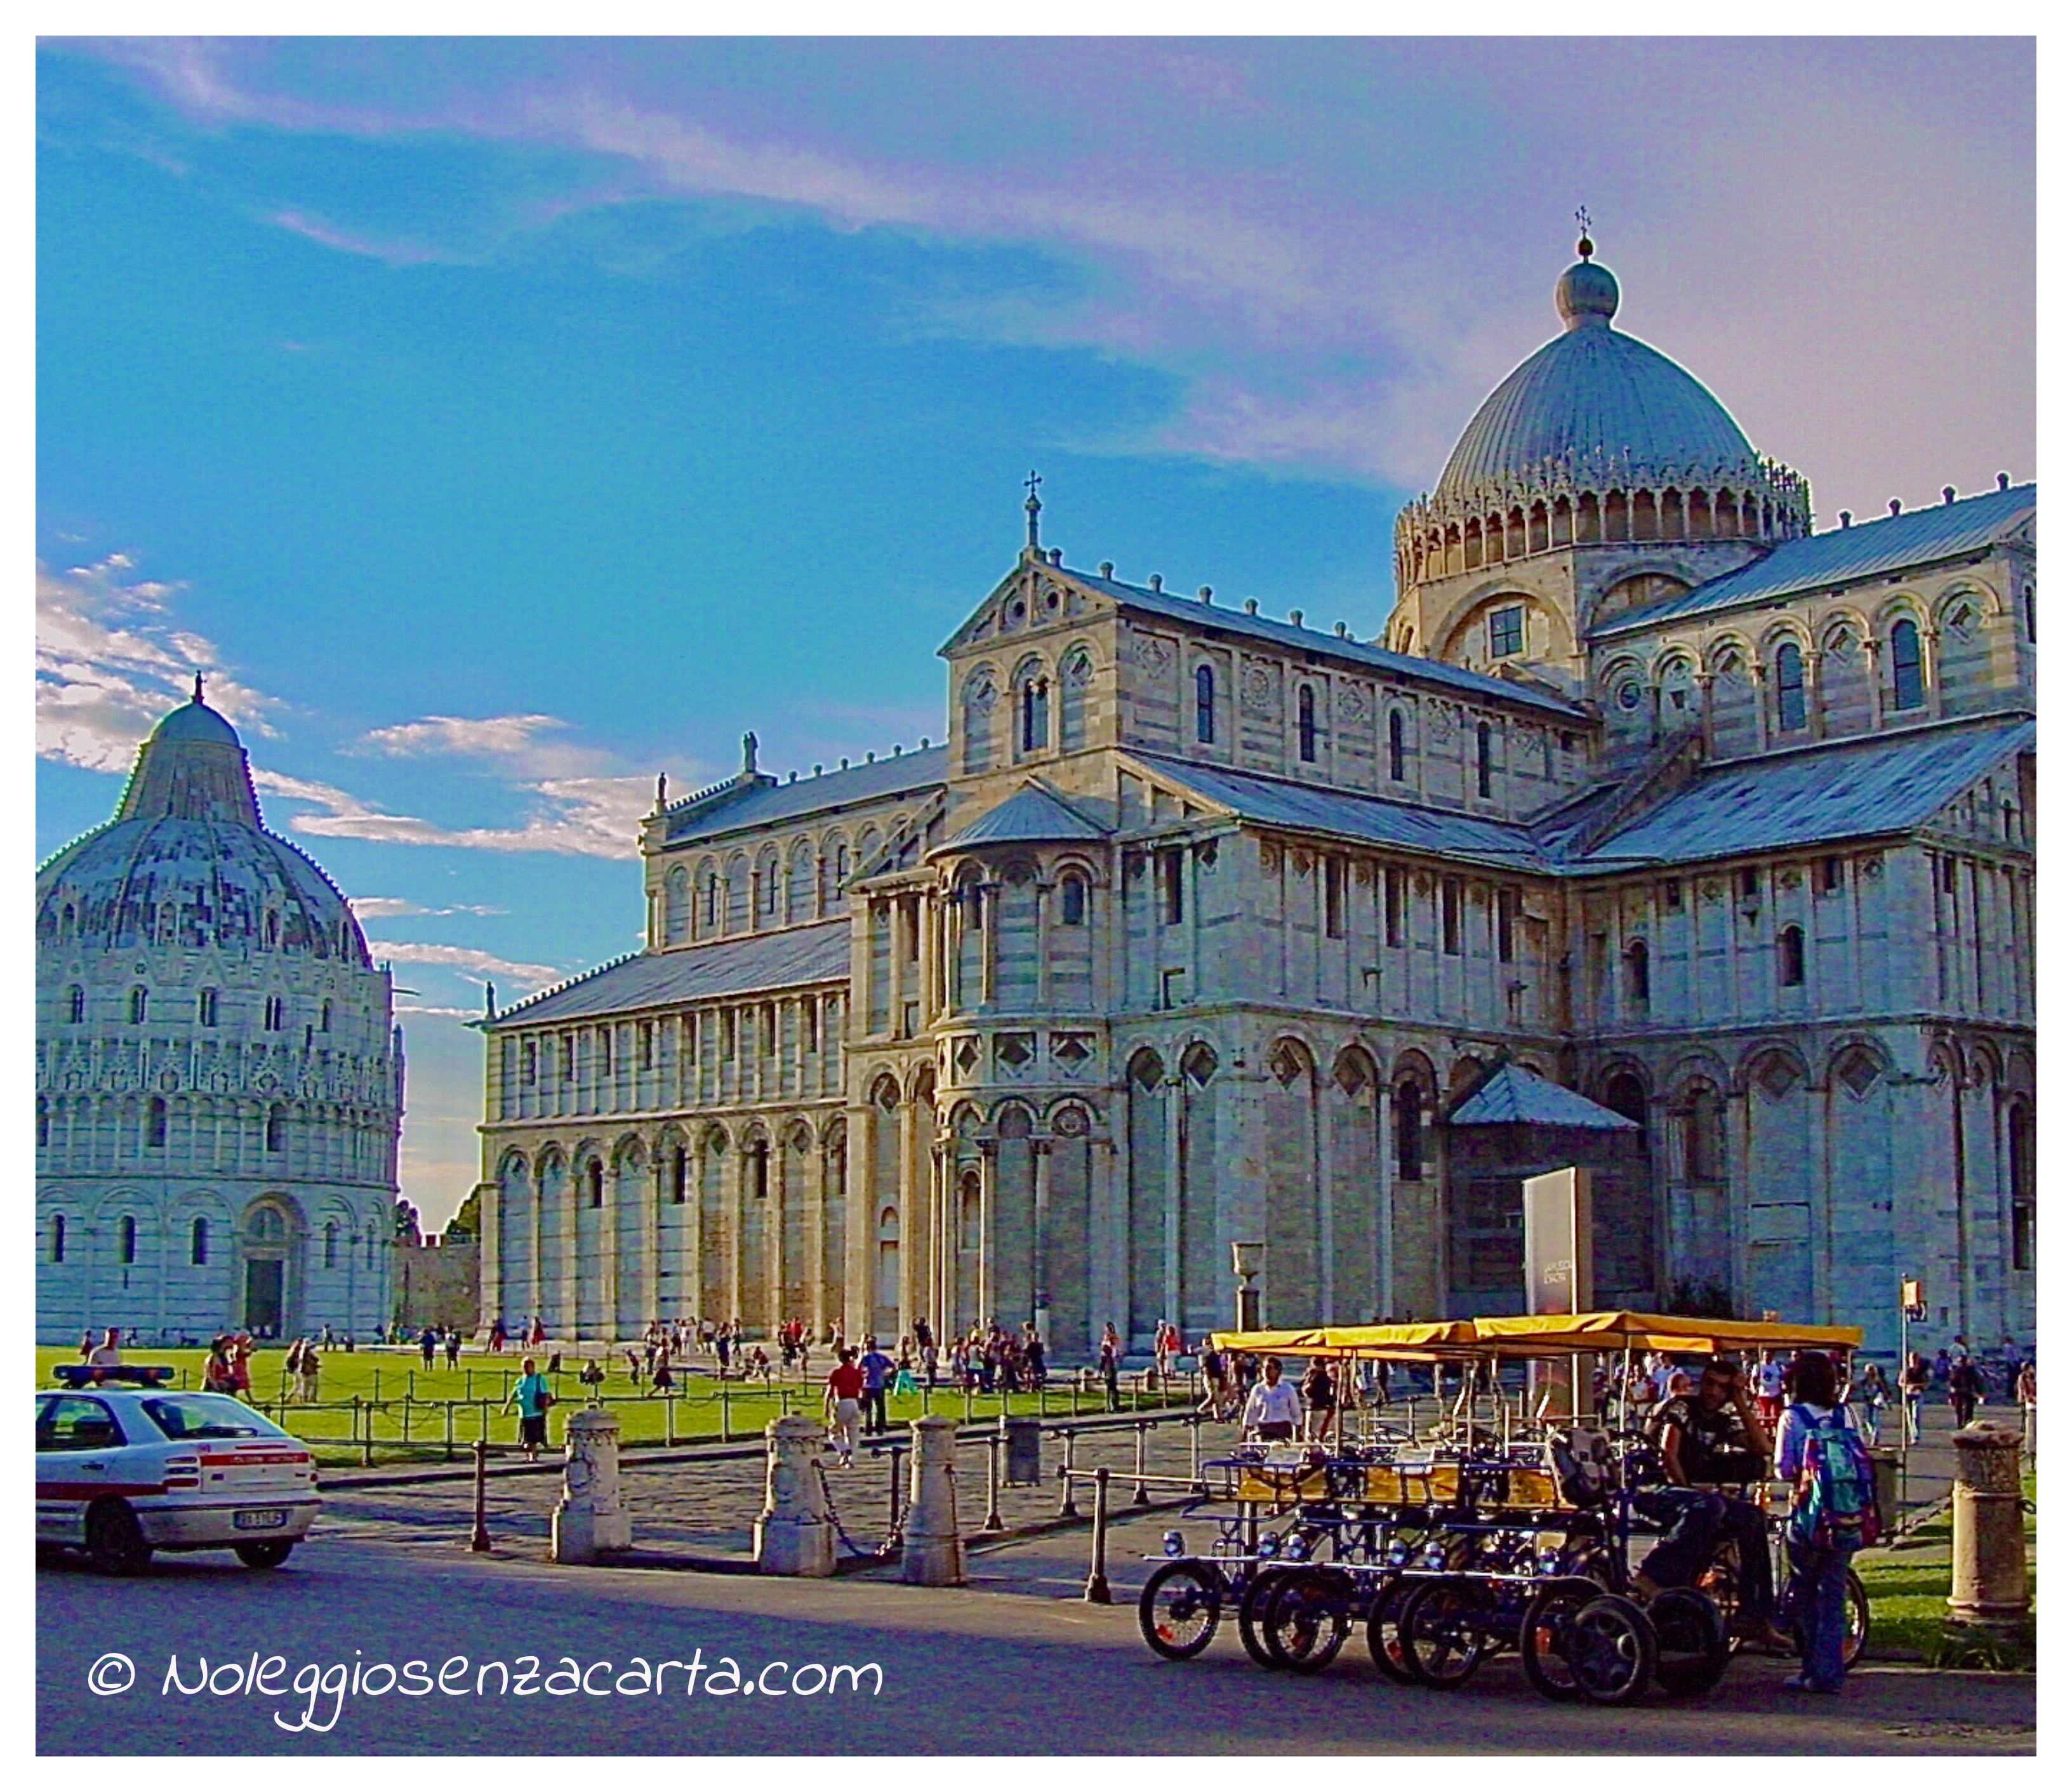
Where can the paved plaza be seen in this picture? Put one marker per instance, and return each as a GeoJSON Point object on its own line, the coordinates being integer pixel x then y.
{"type": "Point", "coordinates": [388, 1578]}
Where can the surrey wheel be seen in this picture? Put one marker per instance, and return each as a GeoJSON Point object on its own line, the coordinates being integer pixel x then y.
{"type": "Point", "coordinates": [1611, 1650]}
{"type": "Point", "coordinates": [1178, 1609]}
{"type": "Point", "coordinates": [1305, 1619]}
{"type": "Point", "coordinates": [270, 1553]}
{"type": "Point", "coordinates": [1251, 1616]}
{"type": "Point", "coordinates": [1690, 1642]}
{"type": "Point", "coordinates": [1443, 1630]}
{"type": "Point", "coordinates": [115, 1540]}
{"type": "Point", "coordinates": [1385, 1642]}
{"type": "Point", "coordinates": [1544, 1638]}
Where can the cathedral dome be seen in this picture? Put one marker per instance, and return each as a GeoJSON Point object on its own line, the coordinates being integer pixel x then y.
{"type": "Point", "coordinates": [1595, 406]}
{"type": "Point", "coordinates": [187, 862]}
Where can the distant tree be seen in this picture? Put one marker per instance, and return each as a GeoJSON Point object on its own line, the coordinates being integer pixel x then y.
{"type": "Point", "coordinates": [406, 1223]}
{"type": "Point", "coordinates": [467, 1222]}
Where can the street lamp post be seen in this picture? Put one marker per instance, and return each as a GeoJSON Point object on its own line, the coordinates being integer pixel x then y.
{"type": "Point", "coordinates": [1248, 1261]}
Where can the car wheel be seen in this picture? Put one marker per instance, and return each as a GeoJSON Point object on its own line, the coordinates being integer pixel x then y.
{"type": "Point", "coordinates": [1611, 1650]}
{"type": "Point", "coordinates": [1383, 1643]}
{"type": "Point", "coordinates": [1691, 1650]}
{"type": "Point", "coordinates": [115, 1540]}
{"type": "Point", "coordinates": [270, 1554]}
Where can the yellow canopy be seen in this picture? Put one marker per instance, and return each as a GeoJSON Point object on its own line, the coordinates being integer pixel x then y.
{"type": "Point", "coordinates": [1526, 1335]}
{"type": "Point", "coordinates": [1540, 1334]}
{"type": "Point", "coordinates": [1421, 1340]}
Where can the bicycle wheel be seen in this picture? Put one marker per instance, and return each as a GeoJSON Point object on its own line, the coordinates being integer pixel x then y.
{"type": "Point", "coordinates": [1250, 1613]}
{"type": "Point", "coordinates": [1306, 1620]}
{"type": "Point", "coordinates": [1691, 1642]}
{"type": "Point", "coordinates": [1855, 1621]}
{"type": "Point", "coordinates": [1544, 1641]}
{"type": "Point", "coordinates": [1384, 1642]}
{"type": "Point", "coordinates": [1178, 1609]}
{"type": "Point", "coordinates": [1442, 1630]}
{"type": "Point", "coordinates": [1611, 1648]}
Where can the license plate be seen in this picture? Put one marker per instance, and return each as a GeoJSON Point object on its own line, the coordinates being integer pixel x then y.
{"type": "Point", "coordinates": [260, 1521]}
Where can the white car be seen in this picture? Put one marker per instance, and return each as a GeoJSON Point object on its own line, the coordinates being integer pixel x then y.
{"type": "Point", "coordinates": [121, 1472]}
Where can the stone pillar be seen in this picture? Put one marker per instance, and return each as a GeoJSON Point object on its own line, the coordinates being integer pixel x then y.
{"type": "Point", "coordinates": [795, 1532]}
{"type": "Point", "coordinates": [1989, 1560]}
{"type": "Point", "coordinates": [933, 1554]}
{"type": "Point", "coordinates": [1039, 1288]}
{"type": "Point", "coordinates": [589, 1523]}
{"type": "Point", "coordinates": [989, 1208]}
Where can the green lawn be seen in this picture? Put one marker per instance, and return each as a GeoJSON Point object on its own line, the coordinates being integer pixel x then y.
{"type": "Point", "coordinates": [1910, 1586]}
{"type": "Point", "coordinates": [405, 1406]}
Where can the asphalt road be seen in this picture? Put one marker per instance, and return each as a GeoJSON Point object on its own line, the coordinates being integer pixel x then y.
{"type": "Point", "coordinates": [977, 1671]}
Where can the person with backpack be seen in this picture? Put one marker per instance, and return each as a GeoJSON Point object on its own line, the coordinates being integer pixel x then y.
{"type": "Point", "coordinates": [1834, 1513]}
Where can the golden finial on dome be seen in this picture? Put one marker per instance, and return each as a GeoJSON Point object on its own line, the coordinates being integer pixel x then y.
{"type": "Point", "coordinates": [1584, 248]}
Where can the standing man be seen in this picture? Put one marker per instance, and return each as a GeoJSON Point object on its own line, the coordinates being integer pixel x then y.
{"type": "Point", "coordinates": [1272, 1410]}
{"type": "Point", "coordinates": [844, 1387]}
{"type": "Point", "coordinates": [1110, 1365]}
{"type": "Point", "coordinates": [1770, 1389]}
{"type": "Point", "coordinates": [1967, 1387]}
{"type": "Point", "coordinates": [877, 1368]}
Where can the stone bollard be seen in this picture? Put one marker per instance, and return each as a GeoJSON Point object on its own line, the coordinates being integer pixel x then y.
{"type": "Point", "coordinates": [589, 1523]}
{"type": "Point", "coordinates": [934, 1552]}
{"type": "Point", "coordinates": [1989, 1560]}
{"type": "Point", "coordinates": [795, 1533]}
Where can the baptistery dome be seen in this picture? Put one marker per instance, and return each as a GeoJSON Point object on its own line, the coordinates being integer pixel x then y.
{"type": "Point", "coordinates": [219, 1077]}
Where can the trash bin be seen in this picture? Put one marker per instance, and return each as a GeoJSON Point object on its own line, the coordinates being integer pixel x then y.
{"type": "Point", "coordinates": [1025, 1450]}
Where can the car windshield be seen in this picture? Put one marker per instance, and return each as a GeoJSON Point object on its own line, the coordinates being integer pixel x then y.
{"type": "Point", "coordinates": [180, 1416]}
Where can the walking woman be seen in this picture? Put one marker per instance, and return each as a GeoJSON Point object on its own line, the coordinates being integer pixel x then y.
{"type": "Point", "coordinates": [1873, 1392]}
{"type": "Point", "coordinates": [1913, 1389]}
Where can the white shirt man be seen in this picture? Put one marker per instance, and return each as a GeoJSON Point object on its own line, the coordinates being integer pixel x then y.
{"type": "Point", "coordinates": [1272, 1410]}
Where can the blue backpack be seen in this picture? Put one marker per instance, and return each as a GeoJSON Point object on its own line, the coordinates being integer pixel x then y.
{"type": "Point", "coordinates": [1835, 1506]}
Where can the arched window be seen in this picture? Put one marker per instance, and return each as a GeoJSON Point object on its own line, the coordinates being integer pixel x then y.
{"type": "Point", "coordinates": [978, 703]}
{"type": "Point", "coordinates": [205, 1007]}
{"type": "Point", "coordinates": [1636, 973]}
{"type": "Point", "coordinates": [126, 1240]}
{"type": "Point", "coordinates": [1072, 900]}
{"type": "Point", "coordinates": [1908, 692]}
{"type": "Point", "coordinates": [1705, 1137]}
{"type": "Point", "coordinates": [1791, 957]}
{"type": "Point", "coordinates": [680, 1174]}
{"type": "Point", "coordinates": [276, 1014]}
{"type": "Point", "coordinates": [593, 1176]}
{"type": "Point", "coordinates": [75, 1004]}
{"type": "Point", "coordinates": [1790, 686]}
{"type": "Point", "coordinates": [1205, 704]}
{"type": "Point", "coordinates": [1483, 759]}
{"type": "Point", "coordinates": [198, 1243]}
{"type": "Point", "coordinates": [1395, 746]}
{"type": "Point", "coordinates": [42, 1122]}
{"type": "Point", "coordinates": [1409, 1106]}
{"type": "Point", "coordinates": [711, 900]}
{"type": "Point", "coordinates": [139, 1002]}
{"type": "Point", "coordinates": [1305, 724]}
{"type": "Point", "coordinates": [331, 1244]}
{"type": "Point", "coordinates": [57, 1238]}
{"type": "Point", "coordinates": [277, 1128]}
{"type": "Point", "coordinates": [1035, 715]}
{"type": "Point", "coordinates": [154, 1122]}
{"type": "Point", "coordinates": [323, 1019]}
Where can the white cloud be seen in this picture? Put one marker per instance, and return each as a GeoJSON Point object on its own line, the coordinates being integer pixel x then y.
{"type": "Point", "coordinates": [522, 744]}
{"type": "Point", "coordinates": [588, 817]}
{"type": "Point", "coordinates": [466, 959]}
{"type": "Point", "coordinates": [111, 661]}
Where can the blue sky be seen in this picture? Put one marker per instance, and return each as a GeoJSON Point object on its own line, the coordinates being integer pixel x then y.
{"type": "Point", "coordinates": [502, 423]}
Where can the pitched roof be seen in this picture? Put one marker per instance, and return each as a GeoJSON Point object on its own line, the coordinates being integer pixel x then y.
{"type": "Point", "coordinates": [1412, 667]}
{"type": "Point", "coordinates": [1032, 813]}
{"type": "Point", "coordinates": [1345, 813]}
{"type": "Point", "coordinates": [787, 959]}
{"type": "Point", "coordinates": [1835, 557]}
{"type": "Point", "coordinates": [1512, 1095]}
{"type": "Point", "coordinates": [758, 805]}
{"type": "Point", "coordinates": [1843, 790]}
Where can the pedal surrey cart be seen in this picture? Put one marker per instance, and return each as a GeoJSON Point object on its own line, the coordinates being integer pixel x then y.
{"type": "Point", "coordinates": [1497, 1517]}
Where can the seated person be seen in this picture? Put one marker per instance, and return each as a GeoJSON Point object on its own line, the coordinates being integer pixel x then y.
{"type": "Point", "coordinates": [1710, 1440]}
